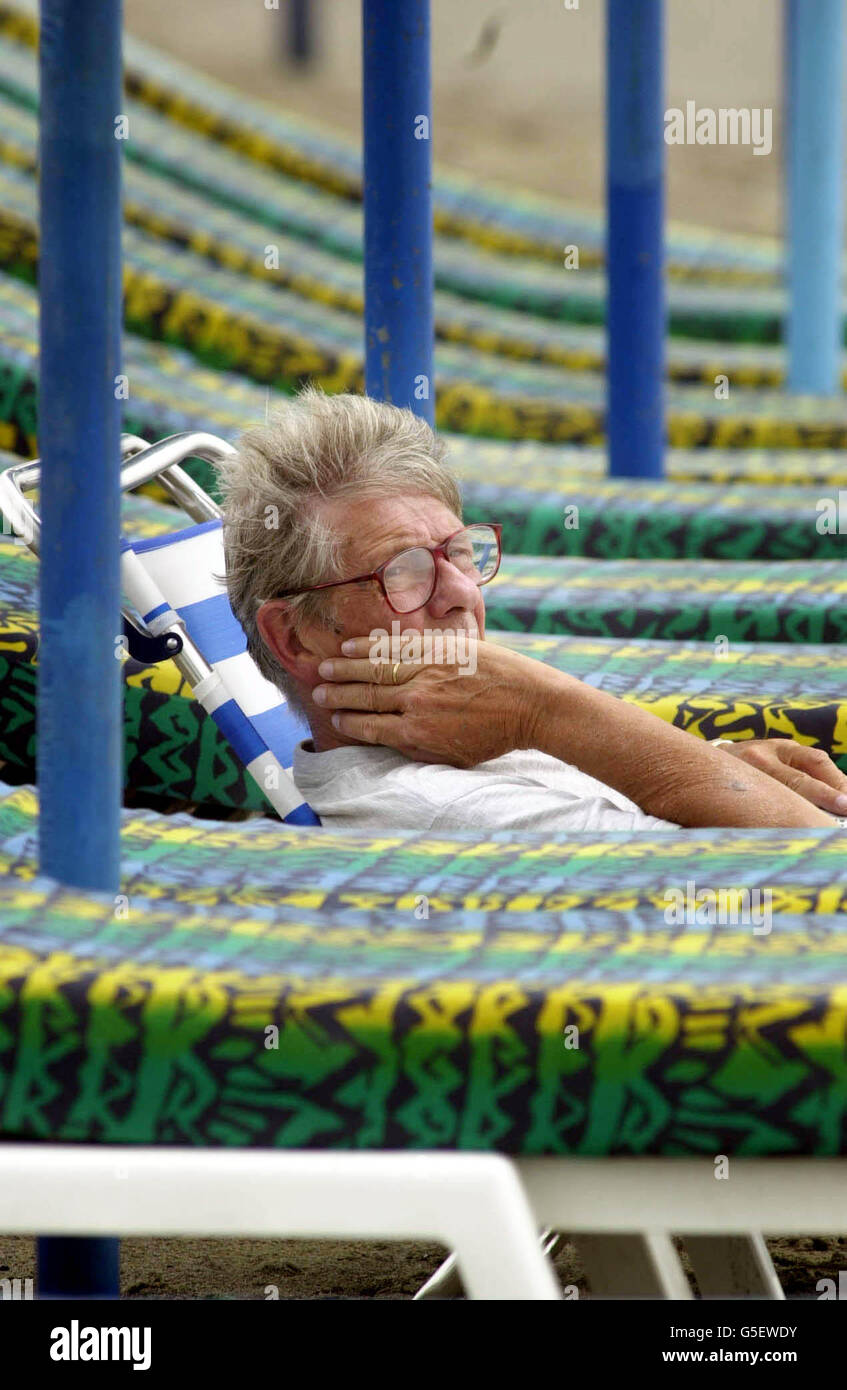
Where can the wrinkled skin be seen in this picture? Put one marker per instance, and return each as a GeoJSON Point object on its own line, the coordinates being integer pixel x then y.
{"type": "Point", "coordinates": [442, 713]}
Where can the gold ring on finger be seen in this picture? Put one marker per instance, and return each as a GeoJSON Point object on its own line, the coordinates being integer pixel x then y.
{"type": "Point", "coordinates": [395, 668]}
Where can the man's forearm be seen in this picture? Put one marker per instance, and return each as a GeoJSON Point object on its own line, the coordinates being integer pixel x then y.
{"type": "Point", "coordinates": [666, 771]}
{"type": "Point", "coordinates": [463, 717]}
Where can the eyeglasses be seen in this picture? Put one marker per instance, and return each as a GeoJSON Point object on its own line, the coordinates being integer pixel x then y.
{"type": "Point", "coordinates": [408, 580]}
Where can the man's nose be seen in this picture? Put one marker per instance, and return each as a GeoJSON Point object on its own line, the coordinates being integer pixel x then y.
{"type": "Point", "coordinates": [453, 589]}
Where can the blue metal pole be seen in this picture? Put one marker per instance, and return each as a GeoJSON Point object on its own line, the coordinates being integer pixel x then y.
{"type": "Point", "coordinates": [79, 698]}
{"type": "Point", "coordinates": [398, 203]}
{"type": "Point", "coordinates": [300, 32]}
{"type": "Point", "coordinates": [814, 67]}
{"type": "Point", "coordinates": [635, 208]}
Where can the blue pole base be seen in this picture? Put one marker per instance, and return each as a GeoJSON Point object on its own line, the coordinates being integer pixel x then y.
{"type": "Point", "coordinates": [78, 1267]}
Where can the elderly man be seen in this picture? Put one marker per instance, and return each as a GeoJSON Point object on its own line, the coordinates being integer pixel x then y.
{"type": "Point", "coordinates": [341, 520]}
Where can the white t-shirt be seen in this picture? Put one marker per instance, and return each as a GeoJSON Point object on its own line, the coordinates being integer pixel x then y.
{"type": "Point", "coordinates": [374, 788]}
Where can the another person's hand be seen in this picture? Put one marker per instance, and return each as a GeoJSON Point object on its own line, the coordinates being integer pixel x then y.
{"type": "Point", "coordinates": [808, 771]}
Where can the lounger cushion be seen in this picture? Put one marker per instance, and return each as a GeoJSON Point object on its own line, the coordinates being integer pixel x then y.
{"type": "Point", "coordinates": [523, 1032]}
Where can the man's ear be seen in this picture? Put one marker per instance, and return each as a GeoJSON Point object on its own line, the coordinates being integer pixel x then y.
{"type": "Point", "coordinates": [277, 625]}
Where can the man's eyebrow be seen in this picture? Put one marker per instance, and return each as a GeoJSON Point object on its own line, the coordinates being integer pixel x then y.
{"type": "Point", "coordinates": [398, 547]}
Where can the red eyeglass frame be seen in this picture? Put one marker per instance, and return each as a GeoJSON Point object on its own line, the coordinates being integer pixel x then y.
{"type": "Point", "coordinates": [434, 550]}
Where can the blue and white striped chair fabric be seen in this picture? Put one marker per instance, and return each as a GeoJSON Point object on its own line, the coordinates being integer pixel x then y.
{"type": "Point", "coordinates": [173, 576]}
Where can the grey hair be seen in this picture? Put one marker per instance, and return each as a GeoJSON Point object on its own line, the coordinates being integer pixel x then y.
{"type": "Point", "coordinates": [315, 449]}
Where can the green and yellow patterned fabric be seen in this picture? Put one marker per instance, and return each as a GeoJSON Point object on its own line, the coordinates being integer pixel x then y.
{"type": "Point", "coordinates": [398, 992]}
{"type": "Point", "coordinates": [633, 519]}
{"type": "Point", "coordinates": [198, 273]}
{"type": "Point", "coordinates": [532, 466]}
{"type": "Point", "coordinates": [514, 223]}
{"type": "Point", "coordinates": [186, 190]}
{"type": "Point", "coordinates": [546, 505]}
{"type": "Point", "coordinates": [708, 600]}
{"type": "Point", "coordinates": [518, 225]}
{"type": "Point", "coordinates": [259, 866]}
{"type": "Point", "coordinates": [273, 336]}
{"type": "Point", "coordinates": [171, 391]}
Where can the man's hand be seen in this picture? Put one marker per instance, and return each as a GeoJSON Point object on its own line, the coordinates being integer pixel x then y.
{"type": "Point", "coordinates": [446, 714]}
{"type": "Point", "coordinates": [435, 713]}
{"type": "Point", "coordinates": [808, 771]}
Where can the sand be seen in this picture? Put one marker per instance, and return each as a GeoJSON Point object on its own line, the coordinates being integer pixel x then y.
{"type": "Point", "coordinates": [329, 1269]}
{"type": "Point", "coordinates": [518, 88]}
